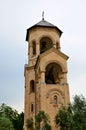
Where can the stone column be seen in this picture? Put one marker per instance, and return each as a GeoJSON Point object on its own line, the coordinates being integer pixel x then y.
{"type": "Point", "coordinates": [42, 76]}
{"type": "Point", "coordinates": [54, 44]}
{"type": "Point", "coordinates": [37, 48]}
{"type": "Point", "coordinates": [64, 79]}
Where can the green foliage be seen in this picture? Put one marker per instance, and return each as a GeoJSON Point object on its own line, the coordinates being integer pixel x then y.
{"type": "Point", "coordinates": [30, 124]}
{"type": "Point", "coordinates": [19, 121]}
{"type": "Point", "coordinates": [73, 116]}
{"type": "Point", "coordinates": [12, 115]}
{"type": "Point", "coordinates": [64, 118]}
{"type": "Point", "coordinates": [79, 108]}
{"type": "Point", "coordinates": [8, 112]}
{"type": "Point", "coordinates": [47, 127]}
{"type": "Point", "coordinates": [42, 116]}
{"type": "Point", "coordinates": [5, 124]}
{"type": "Point", "coordinates": [41, 122]}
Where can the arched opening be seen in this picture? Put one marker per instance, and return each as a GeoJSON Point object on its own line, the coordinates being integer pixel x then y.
{"type": "Point", "coordinates": [34, 48]}
{"type": "Point", "coordinates": [45, 44]}
{"type": "Point", "coordinates": [55, 100]}
{"type": "Point", "coordinates": [52, 73]}
{"type": "Point", "coordinates": [32, 87]}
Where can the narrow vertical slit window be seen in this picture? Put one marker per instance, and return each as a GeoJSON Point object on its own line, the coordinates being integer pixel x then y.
{"type": "Point", "coordinates": [55, 100]}
{"type": "Point", "coordinates": [34, 48]}
{"type": "Point", "coordinates": [32, 88]}
{"type": "Point", "coordinates": [32, 107]}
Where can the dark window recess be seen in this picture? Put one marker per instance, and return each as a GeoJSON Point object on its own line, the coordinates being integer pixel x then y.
{"type": "Point", "coordinates": [32, 108]}
{"type": "Point", "coordinates": [45, 44]}
{"type": "Point", "coordinates": [34, 48]}
{"type": "Point", "coordinates": [53, 70]}
{"type": "Point", "coordinates": [32, 88]}
{"type": "Point", "coordinates": [43, 47]}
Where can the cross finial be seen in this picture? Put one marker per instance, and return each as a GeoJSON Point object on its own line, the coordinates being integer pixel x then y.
{"type": "Point", "coordinates": [43, 15]}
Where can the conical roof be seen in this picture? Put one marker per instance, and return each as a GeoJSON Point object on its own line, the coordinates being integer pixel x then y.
{"type": "Point", "coordinates": [43, 23]}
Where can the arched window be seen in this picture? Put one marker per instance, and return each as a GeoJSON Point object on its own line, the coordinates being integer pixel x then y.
{"type": "Point", "coordinates": [45, 44]}
{"type": "Point", "coordinates": [55, 100]}
{"type": "Point", "coordinates": [34, 48]}
{"type": "Point", "coordinates": [52, 72]}
{"type": "Point", "coordinates": [32, 87]}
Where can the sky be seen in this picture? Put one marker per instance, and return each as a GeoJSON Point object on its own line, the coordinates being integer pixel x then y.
{"type": "Point", "coordinates": [18, 15]}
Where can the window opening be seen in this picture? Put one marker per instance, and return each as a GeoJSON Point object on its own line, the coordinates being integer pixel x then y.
{"type": "Point", "coordinates": [34, 48]}
{"type": "Point", "coordinates": [43, 47]}
{"type": "Point", "coordinates": [55, 100]}
{"type": "Point", "coordinates": [32, 88]}
{"type": "Point", "coordinates": [45, 44]}
{"type": "Point", "coordinates": [49, 77]}
{"type": "Point", "coordinates": [52, 73]}
{"type": "Point", "coordinates": [32, 108]}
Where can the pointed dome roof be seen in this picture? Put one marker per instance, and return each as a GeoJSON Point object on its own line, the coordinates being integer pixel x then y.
{"type": "Point", "coordinates": [43, 23]}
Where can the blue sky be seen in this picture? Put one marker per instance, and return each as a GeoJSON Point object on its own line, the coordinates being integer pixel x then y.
{"type": "Point", "coordinates": [18, 15]}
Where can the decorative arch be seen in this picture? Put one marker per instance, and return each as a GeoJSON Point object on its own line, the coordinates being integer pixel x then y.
{"type": "Point", "coordinates": [55, 91]}
{"type": "Point", "coordinates": [47, 35]}
{"type": "Point", "coordinates": [45, 44]}
{"type": "Point", "coordinates": [55, 61]}
{"type": "Point", "coordinates": [55, 96]}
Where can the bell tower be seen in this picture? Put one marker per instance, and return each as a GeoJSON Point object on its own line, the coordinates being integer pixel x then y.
{"type": "Point", "coordinates": [46, 85]}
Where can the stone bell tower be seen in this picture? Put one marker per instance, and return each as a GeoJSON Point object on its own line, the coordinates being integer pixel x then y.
{"type": "Point", "coordinates": [46, 85]}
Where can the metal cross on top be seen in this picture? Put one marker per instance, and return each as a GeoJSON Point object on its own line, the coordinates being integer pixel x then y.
{"type": "Point", "coordinates": [43, 15]}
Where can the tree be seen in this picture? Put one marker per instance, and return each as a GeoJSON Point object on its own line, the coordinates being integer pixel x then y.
{"type": "Point", "coordinates": [41, 122]}
{"type": "Point", "coordinates": [30, 124]}
{"type": "Point", "coordinates": [18, 122]}
{"type": "Point", "coordinates": [5, 123]}
{"type": "Point", "coordinates": [8, 112]}
{"type": "Point", "coordinates": [12, 115]}
{"type": "Point", "coordinates": [73, 116]}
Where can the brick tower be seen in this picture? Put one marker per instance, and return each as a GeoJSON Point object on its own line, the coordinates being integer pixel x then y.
{"type": "Point", "coordinates": [46, 86]}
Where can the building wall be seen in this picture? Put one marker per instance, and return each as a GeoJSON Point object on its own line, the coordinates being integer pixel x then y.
{"type": "Point", "coordinates": [43, 100]}
{"type": "Point", "coordinates": [36, 35]}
